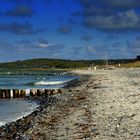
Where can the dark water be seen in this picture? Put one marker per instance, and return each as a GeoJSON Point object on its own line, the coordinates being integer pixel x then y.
{"type": "Point", "coordinates": [33, 81]}
{"type": "Point", "coordinates": [13, 109]}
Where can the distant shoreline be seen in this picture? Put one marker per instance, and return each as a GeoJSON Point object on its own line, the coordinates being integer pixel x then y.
{"type": "Point", "coordinates": [60, 64]}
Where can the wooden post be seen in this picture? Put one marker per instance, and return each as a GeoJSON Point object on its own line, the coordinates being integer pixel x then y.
{"type": "Point", "coordinates": [33, 92]}
{"type": "Point", "coordinates": [7, 93]}
{"type": "Point", "coordinates": [11, 93]}
{"type": "Point", "coordinates": [16, 93]}
{"type": "Point", "coordinates": [22, 93]}
{"type": "Point", "coordinates": [1, 94]}
{"type": "Point", "coordinates": [46, 92]}
{"type": "Point", "coordinates": [40, 92]}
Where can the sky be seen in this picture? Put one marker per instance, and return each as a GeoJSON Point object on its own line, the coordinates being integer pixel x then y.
{"type": "Point", "coordinates": [69, 29]}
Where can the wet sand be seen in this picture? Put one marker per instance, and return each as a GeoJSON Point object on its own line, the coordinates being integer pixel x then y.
{"type": "Point", "coordinates": [103, 105]}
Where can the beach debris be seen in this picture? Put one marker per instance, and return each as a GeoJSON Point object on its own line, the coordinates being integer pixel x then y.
{"type": "Point", "coordinates": [80, 98]}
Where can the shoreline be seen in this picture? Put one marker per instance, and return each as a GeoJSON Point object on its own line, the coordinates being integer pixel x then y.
{"type": "Point", "coordinates": [20, 124]}
{"type": "Point", "coordinates": [11, 130]}
{"type": "Point", "coordinates": [104, 105]}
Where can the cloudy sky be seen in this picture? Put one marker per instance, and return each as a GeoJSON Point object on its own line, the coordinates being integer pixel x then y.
{"type": "Point", "coordinates": [69, 29]}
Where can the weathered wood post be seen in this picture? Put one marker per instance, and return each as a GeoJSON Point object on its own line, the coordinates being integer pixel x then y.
{"type": "Point", "coordinates": [1, 94]}
{"type": "Point", "coordinates": [60, 91]}
{"type": "Point", "coordinates": [46, 92]}
{"type": "Point", "coordinates": [22, 93]}
{"type": "Point", "coordinates": [16, 93]}
{"type": "Point", "coordinates": [33, 92]}
{"type": "Point", "coordinates": [53, 91]}
{"type": "Point", "coordinates": [7, 93]}
{"type": "Point", "coordinates": [40, 92]}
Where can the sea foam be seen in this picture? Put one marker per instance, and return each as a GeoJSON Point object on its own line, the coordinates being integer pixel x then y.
{"type": "Point", "coordinates": [49, 82]}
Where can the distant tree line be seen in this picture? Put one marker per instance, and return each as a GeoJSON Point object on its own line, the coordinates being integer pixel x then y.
{"type": "Point", "coordinates": [59, 63]}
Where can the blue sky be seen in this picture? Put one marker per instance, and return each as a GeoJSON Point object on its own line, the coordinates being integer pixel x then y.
{"type": "Point", "coordinates": [69, 29]}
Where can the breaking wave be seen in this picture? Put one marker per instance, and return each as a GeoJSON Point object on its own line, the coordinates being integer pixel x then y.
{"type": "Point", "coordinates": [49, 83]}
{"type": "Point", "coordinates": [46, 83]}
{"type": "Point", "coordinates": [2, 123]}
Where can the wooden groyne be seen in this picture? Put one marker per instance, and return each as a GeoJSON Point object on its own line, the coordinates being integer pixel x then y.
{"type": "Point", "coordinates": [23, 93]}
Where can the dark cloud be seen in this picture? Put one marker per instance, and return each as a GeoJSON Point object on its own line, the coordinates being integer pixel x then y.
{"type": "Point", "coordinates": [43, 43]}
{"type": "Point", "coordinates": [96, 10]}
{"type": "Point", "coordinates": [86, 37]}
{"type": "Point", "coordinates": [65, 29]}
{"type": "Point", "coordinates": [111, 14]}
{"type": "Point", "coordinates": [120, 4]}
{"type": "Point", "coordinates": [42, 40]}
{"type": "Point", "coordinates": [20, 11]}
{"type": "Point", "coordinates": [128, 20]}
{"type": "Point", "coordinates": [18, 28]}
{"type": "Point", "coordinates": [126, 4]}
{"type": "Point", "coordinates": [87, 3]}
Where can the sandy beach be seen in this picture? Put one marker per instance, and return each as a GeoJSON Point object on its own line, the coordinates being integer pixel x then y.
{"type": "Point", "coordinates": [102, 105]}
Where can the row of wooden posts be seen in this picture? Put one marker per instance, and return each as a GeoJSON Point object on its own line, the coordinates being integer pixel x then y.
{"type": "Point", "coordinates": [23, 93]}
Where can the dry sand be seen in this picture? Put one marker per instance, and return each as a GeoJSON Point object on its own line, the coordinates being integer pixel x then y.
{"type": "Point", "coordinates": [106, 106]}
{"type": "Point", "coordinates": [117, 107]}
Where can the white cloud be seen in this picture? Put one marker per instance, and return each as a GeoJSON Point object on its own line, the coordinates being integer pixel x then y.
{"type": "Point", "coordinates": [43, 45]}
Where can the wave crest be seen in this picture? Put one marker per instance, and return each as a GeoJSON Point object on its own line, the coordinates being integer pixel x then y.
{"type": "Point", "coordinates": [2, 123]}
{"type": "Point", "coordinates": [49, 83]}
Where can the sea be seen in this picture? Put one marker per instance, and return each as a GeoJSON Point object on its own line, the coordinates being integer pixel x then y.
{"type": "Point", "coordinates": [14, 109]}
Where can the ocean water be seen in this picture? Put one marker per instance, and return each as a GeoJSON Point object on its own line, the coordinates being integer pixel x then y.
{"type": "Point", "coordinates": [13, 109]}
{"type": "Point", "coordinates": [34, 81]}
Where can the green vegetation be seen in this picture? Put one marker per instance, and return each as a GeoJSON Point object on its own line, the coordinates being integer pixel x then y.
{"type": "Point", "coordinates": [135, 64]}
{"type": "Point", "coordinates": [63, 64]}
